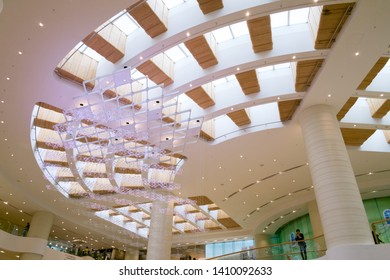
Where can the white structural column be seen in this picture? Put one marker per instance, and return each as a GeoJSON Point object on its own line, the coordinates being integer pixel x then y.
{"type": "Point", "coordinates": [340, 205]}
{"type": "Point", "coordinates": [315, 221]}
{"type": "Point", "coordinates": [40, 227]}
{"type": "Point", "coordinates": [160, 232]}
{"type": "Point", "coordinates": [262, 241]}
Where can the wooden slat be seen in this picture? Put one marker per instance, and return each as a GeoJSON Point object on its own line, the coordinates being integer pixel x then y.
{"type": "Point", "coordinates": [66, 179]}
{"type": "Point", "coordinates": [355, 136]}
{"type": "Point", "coordinates": [229, 223]}
{"type": "Point", "coordinates": [125, 170]}
{"type": "Point", "coordinates": [378, 107]}
{"type": "Point", "coordinates": [208, 6]}
{"type": "Point", "coordinates": [201, 200]}
{"type": "Point", "coordinates": [147, 18]}
{"type": "Point", "coordinates": [344, 110]}
{"type": "Point", "coordinates": [260, 33]}
{"type": "Point", "coordinates": [56, 163]}
{"type": "Point", "coordinates": [200, 97]}
{"type": "Point", "coordinates": [95, 175]}
{"type": "Point", "coordinates": [287, 109]}
{"type": "Point", "coordinates": [332, 20]}
{"type": "Point", "coordinates": [248, 81]}
{"type": "Point", "coordinates": [78, 67]}
{"type": "Point", "coordinates": [49, 146]}
{"type": "Point", "coordinates": [305, 73]}
{"type": "Point", "coordinates": [44, 124]}
{"type": "Point", "coordinates": [85, 158]}
{"type": "Point", "coordinates": [239, 117]}
{"type": "Point", "coordinates": [150, 69]}
{"type": "Point", "coordinates": [109, 42]}
{"type": "Point", "coordinates": [373, 72]}
{"type": "Point", "coordinates": [50, 107]}
{"type": "Point", "coordinates": [110, 94]}
{"type": "Point", "coordinates": [201, 51]}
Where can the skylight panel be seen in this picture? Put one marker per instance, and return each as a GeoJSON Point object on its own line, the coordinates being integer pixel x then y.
{"type": "Point", "coordinates": [282, 66]}
{"type": "Point", "coordinates": [173, 3]}
{"type": "Point", "coordinates": [299, 16]}
{"type": "Point", "coordinates": [279, 19]}
{"type": "Point", "coordinates": [81, 47]}
{"type": "Point", "coordinates": [222, 34]}
{"type": "Point", "coordinates": [224, 80]}
{"type": "Point", "coordinates": [265, 69]}
{"type": "Point", "coordinates": [239, 29]}
{"type": "Point", "coordinates": [126, 23]}
{"type": "Point", "coordinates": [176, 53]}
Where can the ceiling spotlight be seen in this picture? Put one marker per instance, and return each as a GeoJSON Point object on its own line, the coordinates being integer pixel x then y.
{"type": "Point", "coordinates": [357, 53]}
{"type": "Point", "coordinates": [40, 24]}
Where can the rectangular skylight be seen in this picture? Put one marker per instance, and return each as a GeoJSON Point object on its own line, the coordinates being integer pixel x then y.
{"type": "Point", "coordinates": [279, 19]}
{"type": "Point", "coordinates": [125, 23]}
{"type": "Point", "coordinates": [177, 53]}
{"type": "Point", "coordinates": [299, 16]}
{"type": "Point", "coordinates": [222, 34]}
{"type": "Point", "coordinates": [239, 29]}
{"type": "Point", "coordinates": [173, 3]}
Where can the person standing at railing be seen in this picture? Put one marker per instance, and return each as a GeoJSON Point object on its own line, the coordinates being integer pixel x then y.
{"type": "Point", "coordinates": [300, 238]}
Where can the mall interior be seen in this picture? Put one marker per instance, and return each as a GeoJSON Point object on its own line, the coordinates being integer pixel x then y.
{"type": "Point", "coordinates": [194, 129]}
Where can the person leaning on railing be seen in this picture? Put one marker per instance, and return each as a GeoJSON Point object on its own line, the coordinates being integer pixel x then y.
{"type": "Point", "coordinates": [300, 238]}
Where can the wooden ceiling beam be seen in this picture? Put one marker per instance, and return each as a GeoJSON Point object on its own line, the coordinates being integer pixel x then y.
{"type": "Point", "coordinates": [332, 19]}
{"type": "Point", "coordinates": [151, 15]}
{"type": "Point", "coordinates": [378, 107]}
{"type": "Point", "coordinates": [305, 72]}
{"type": "Point", "coordinates": [287, 109]}
{"type": "Point", "coordinates": [248, 82]}
{"type": "Point", "coordinates": [239, 117]}
{"type": "Point", "coordinates": [110, 42]}
{"type": "Point", "coordinates": [202, 50]}
{"type": "Point", "coordinates": [260, 33]}
{"type": "Point", "coordinates": [356, 136]}
{"type": "Point", "coordinates": [201, 96]}
{"type": "Point", "coordinates": [209, 6]}
{"type": "Point", "coordinates": [159, 69]}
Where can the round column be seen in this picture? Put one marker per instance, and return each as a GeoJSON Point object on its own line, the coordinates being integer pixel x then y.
{"type": "Point", "coordinates": [263, 241]}
{"type": "Point", "coordinates": [340, 205]}
{"type": "Point", "coordinates": [40, 227]}
{"type": "Point", "coordinates": [315, 221]}
{"type": "Point", "coordinates": [160, 232]}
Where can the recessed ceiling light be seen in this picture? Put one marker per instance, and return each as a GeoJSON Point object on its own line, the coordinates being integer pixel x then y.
{"type": "Point", "coordinates": [8, 78]}
{"type": "Point", "coordinates": [2, 101]}
{"type": "Point", "coordinates": [40, 24]}
{"type": "Point", "coordinates": [141, 57]}
{"type": "Point", "coordinates": [247, 14]}
{"type": "Point", "coordinates": [188, 34]}
{"type": "Point", "coordinates": [20, 53]}
{"type": "Point", "coordinates": [380, 96]}
{"type": "Point", "coordinates": [294, 57]}
{"type": "Point", "coordinates": [329, 95]}
{"type": "Point", "coordinates": [238, 68]}
{"type": "Point", "coordinates": [357, 53]}
{"type": "Point", "coordinates": [190, 85]}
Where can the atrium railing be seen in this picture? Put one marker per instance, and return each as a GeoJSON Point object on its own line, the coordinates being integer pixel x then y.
{"type": "Point", "coordinates": [11, 228]}
{"type": "Point", "coordinates": [316, 248]}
